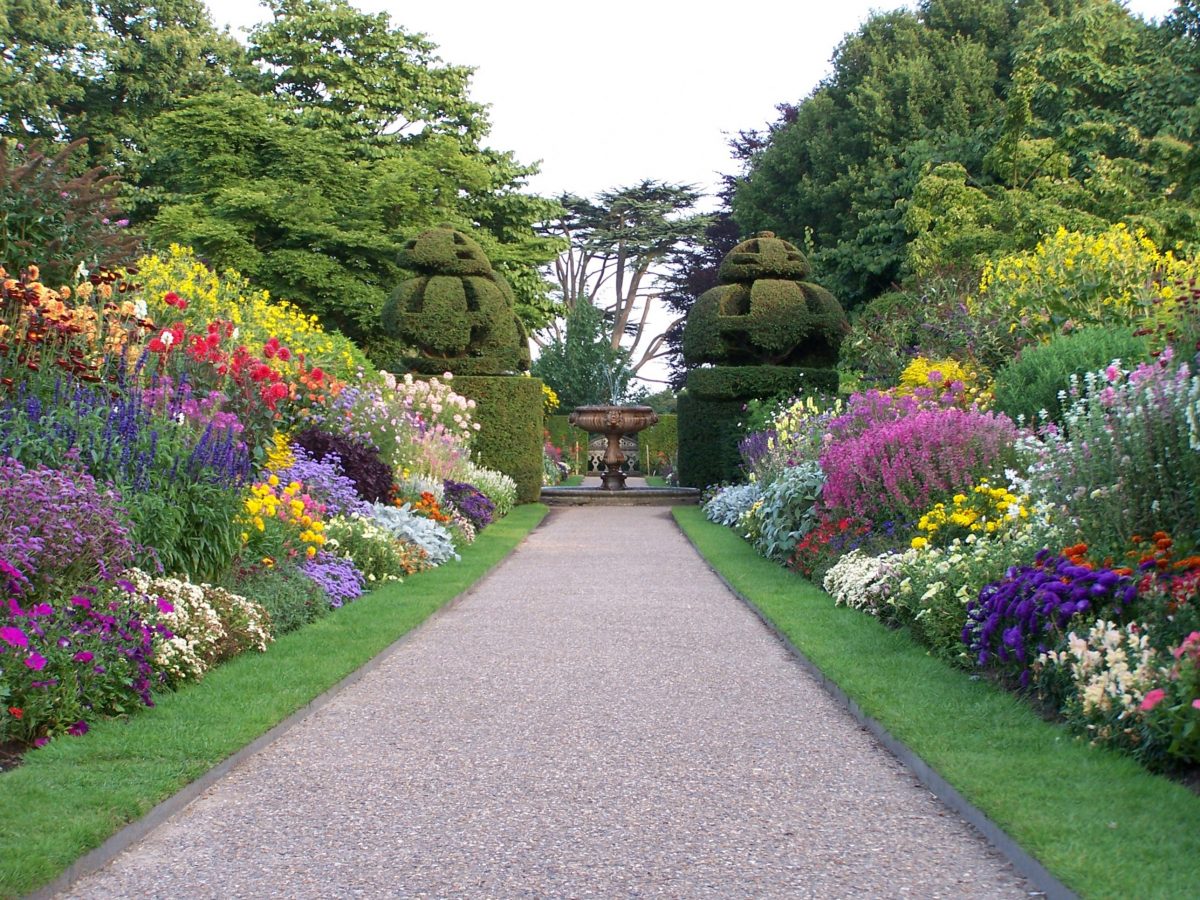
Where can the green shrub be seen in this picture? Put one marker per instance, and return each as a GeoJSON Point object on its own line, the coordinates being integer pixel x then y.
{"type": "Point", "coordinates": [658, 445]}
{"type": "Point", "coordinates": [457, 312]}
{"type": "Point", "coordinates": [709, 431]}
{"type": "Point", "coordinates": [509, 411]}
{"type": "Point", "coordinates": [290, 598]}
{"type": "Point", "coordinates": [1032, 381]}
{"type": "Point", "coordinates": [762, 312]}
{"type": "Point", "coordinates": [746, 383]}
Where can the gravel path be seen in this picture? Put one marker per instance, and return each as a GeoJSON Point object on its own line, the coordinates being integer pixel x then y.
{"type": "Point", "coordinates": [543, 739]}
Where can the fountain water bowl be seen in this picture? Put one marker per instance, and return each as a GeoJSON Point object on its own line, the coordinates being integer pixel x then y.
{"type": "Point", "coordinates": [612, 422]}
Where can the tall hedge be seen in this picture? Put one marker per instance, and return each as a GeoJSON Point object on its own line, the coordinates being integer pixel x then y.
{"type": "Point", "coordinates": [509, 409]}
{"type": "Point", "coordinates": [709, 423]}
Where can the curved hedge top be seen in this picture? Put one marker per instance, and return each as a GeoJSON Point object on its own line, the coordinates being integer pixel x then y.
{"type": "Point", "coordinates": [763, 313]}
{"type": "Point", "coordinates": [457, 312]}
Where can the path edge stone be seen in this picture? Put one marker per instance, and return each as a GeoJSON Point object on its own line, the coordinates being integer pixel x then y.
{"type": "Point", "coordinates": [1046, 883]}
{"type": "Point", "coordinates": [96, 859]}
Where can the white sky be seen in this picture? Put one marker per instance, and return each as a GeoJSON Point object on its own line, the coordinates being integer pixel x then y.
{"type": "Point", "coordinates": [607, 94]}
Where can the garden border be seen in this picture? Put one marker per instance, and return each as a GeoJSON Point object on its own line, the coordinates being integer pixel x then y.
{"type": "Point", "coordinates": [96, 859]}
{"type": "Point", "coordinates": [1021, 860]}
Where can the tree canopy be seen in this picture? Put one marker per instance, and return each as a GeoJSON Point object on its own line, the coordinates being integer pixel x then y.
{"type": "Point", "coordinates": [961, 129]}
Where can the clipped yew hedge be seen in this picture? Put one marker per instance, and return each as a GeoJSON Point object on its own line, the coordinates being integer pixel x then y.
{"type": "Point", "coordinates": [509, 409]}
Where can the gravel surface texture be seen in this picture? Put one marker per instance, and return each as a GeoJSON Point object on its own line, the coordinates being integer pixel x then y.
{"type": "Point", "coordinates": [599, 718]}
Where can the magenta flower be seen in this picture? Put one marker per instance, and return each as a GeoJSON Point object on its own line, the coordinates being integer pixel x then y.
{"type": "Point", "coordinates": [41, 742]}
{"type": "Point", "coordinates": [83, 656]}
{"type": "Point", "coordinates": [1152, 699]}
{"type": "Point", "coordinates": [36, 661]}
{"type": "Point", "coordinates": [14, 637]}
{"type": "Point", "coordinates": [165, 606]}
{"type": "Point", "coordinates": [79, 729]}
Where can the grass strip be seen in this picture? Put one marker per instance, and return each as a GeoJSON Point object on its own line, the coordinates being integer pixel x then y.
{"type": "Point", "coordinates": [73, 794]}
{"type": "Point", "coordinates": [1094, 818]}
{"type": "Point", "coordinates": [656, 481]}
{"type": "Point", "coordinates": [572, 481]}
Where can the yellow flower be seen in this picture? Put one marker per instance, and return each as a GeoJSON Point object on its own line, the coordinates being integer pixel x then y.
{"type": "Point", "coordinates": [919, 543]}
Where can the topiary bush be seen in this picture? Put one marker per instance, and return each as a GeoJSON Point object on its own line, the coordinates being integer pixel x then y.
{"type": "Point", "coordinates": [360, 462]}
{"type": "Point", "coordinates": [762, 312]}
{"type": "Point", "coordinates": [1031, 382]}
{"type": "Point", "coordinates": [457, 312]}
{"type": "Point", "coordinates": [510, 439]}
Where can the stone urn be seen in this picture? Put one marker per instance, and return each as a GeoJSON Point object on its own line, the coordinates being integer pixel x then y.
{"type": "Point", "coordinates": [612, 422]}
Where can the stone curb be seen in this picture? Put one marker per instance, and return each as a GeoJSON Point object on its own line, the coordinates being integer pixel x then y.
{"type": "Point", "coordinates": [1047, 884]}
{"type": "Point", "coordinates": [97, 859]}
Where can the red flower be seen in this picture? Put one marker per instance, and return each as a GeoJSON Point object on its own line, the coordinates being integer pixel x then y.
{"type": "Point", "coordinates": [16, 712]}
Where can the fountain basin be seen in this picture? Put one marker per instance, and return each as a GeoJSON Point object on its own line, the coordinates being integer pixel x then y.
{"type": "Point", "coordinates": [612, 422]}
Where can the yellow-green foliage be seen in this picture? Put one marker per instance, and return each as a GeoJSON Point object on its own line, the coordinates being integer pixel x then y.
{"type": "Point", "coordinates": [230, 297]}
{"type": "Point", "coordinates": [1072, 279]}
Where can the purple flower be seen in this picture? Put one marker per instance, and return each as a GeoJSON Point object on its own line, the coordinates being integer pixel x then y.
{"type": "Point", "coordinates": [84, 656]}
{"type": "Point", "coordinates": [165, 606]}
{"type": "Point", "coordinates": [13, 636]}
{"type": "Point", "coordinates": [36, 661]}
{"type": "Point", "coordinates": [79, 729]}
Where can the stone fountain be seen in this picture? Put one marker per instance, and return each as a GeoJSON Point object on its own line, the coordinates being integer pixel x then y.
{"type": "Point", "coordinates": [612, 422]}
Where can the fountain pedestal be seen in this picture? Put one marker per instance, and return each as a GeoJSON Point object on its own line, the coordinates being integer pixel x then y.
{"type": "Point", "coordinates": [612, 422]}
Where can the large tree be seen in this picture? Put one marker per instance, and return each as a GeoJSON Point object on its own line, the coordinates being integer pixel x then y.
{"type": "Point", "coordinates": [618, 246]}
{"type": "Point", "coordinates": [967, 125]}
{"type": "Point", "coordinates": [581, 366]}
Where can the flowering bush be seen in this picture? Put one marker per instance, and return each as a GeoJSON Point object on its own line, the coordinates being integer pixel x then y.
{"type": "Point", "coordinates": [337, 576]}
{"type": "Point", "coordinates": [899, 468]}
{"type": "Point", "coordinates": [402, 523]}
{"type": "Point", "coordinates": [730, 503]}
{"type": "Point", "coordinates": [554, 469]}
{"type": "Point", "coordinates": [983, 510]}
{"type": "Point", "coordinates": [88, 655]}
{"type": "Point", "coordinates": [59, 528]}
{"type": "Point", "coordinates": [196, 626]}
{"type": "Point", "coordinates": [1071, 279]}
{"type": "Point", "coordinates": [496, 486]}
{"type": "Point", "coordinates": [360, 462]}
{"type": "Point", "coordinates": [1027, 612]}
{"type": "Point", "coordinates": [863, 582]}
{"type": "Point", "coordinates": [228, 297]}
{"type": "Point", "coordinates": [797, 433]}
{"type": "Point", "coordinates": [469, 502]}
{"type": "Point", "coordinates": [1125, 461]}
{"type": "Point", "coordinates": [824, 545]}
{"type": "Point", "coordinates": [960, 383]}
{"type": "Point", "coordinates": [324, 481]}
{"type": "Point", "coordinates": [283, 522]}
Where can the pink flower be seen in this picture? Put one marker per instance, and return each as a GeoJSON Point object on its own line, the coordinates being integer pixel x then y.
{"type": "Point", "coordinates": [41, 742]}
{"type": "Point", "coordinates": [165, 605]}
{"type": "Point", "coordinates": [36, 661]}
{"type": "Point", "coordinates": [1152, 699]}
{"type": "Point", "coordinates": [14, 637]}
{"type": "Point", "coordinates": [1196, 703]}
{"type": "Point", "coordinates": [83, 656]}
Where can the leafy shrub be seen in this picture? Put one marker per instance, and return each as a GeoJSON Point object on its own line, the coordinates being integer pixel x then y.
{"type": "Point", "coordinates": [788, 510]}
{"type": "Point", "coordinates": [290, 598]}
{"type": "Point", "coordinates": [55, 211]}
{"type": "Point", "coordinates": [375, 551]}
{"type": "Point", "coordinates": [729, 504]}
{"type": "Point", "coordinates": [1034, 380]}
{"type": "Point", "coordinates": [897, 469]}
{"type": "Point", "coordinates": [59, 528]}
{"type": "Point", "coordinates": [1124, 462]}
{"type": "Point", "coordinates": [361, 463]}
{"type": "Point", "coordinates": [930, 318]}
{"type": "Point", "coordinates": [402, 523]}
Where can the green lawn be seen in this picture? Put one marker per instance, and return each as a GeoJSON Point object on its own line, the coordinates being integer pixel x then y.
{"type": "Point", "coordinates": [70, 796]}
{"type": "Point", "coordinates": [1094, 818]}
